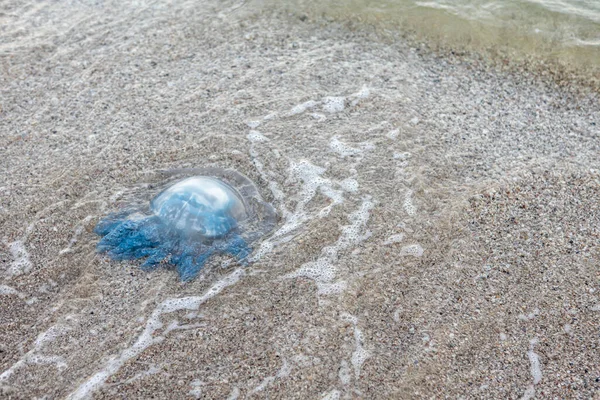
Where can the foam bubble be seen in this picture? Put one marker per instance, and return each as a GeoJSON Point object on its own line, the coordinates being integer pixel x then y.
{"type": "Point", "coordinates": [409, 207]}
{"type": "Point", "coordinates": [359, 357]}
{"type": "Point", "coordinates": [363, 93]}
{"type": "Point", "coordinates": [529, 393]}
{"type": "Point", "coordinates": [21, 263]}
{"type": "Point", "coordinates": [270, 116]}
{"type": "Point", "coordinates": [393, 134]}
{"type": "Point", "coordinates": [346, 317]}
{"type": "Point", "coordinates": [333, 104]}
{"type": "Point", "coordinates": [300, 108]}
{"type": "Point", "coordinates": [414, 250]}
{"type": "Point", "coordinates": [333, 395]}
{"type": "Point", "coordinates": [344, 373]}
{"type": "Point", "coordinates": [360, 354]}
{"type": "Point", "coordinates": [253, 124]}
{"type": "Point", "coordinates": [402, 156]}
{"type": "Point", "coordinates": [335, 196]}
{"type": "Point", "coordinates": [342, 149]}
{"type": "Point", "coordinates": [397, 238]}
{"type": "Point", "coordinates": [536, 365]}
{"type": "Point", "coordinates": [196, 385]}
{"type": "Point", "coordinates": [530, 316]}
{"type": "Point", "coordinates": [265, 248]}
{"type": "Point", "coordinates": [256, 137]}
{"type": "Point", "coordinates": [321, 270]}
{"type": "Point", "coordinates": [112, 199]}
{"type": "Point", "coordinates": [349, 185]}
{"type": "Point", "coordinates": [329, 289]}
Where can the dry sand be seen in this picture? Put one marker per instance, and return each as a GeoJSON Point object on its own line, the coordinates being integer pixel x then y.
{"type": "Point", "coordinates": [447, 215]}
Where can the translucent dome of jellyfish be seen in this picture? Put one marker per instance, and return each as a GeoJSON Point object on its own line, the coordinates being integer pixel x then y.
{"type": "Point", "coordinates": [213, 211]}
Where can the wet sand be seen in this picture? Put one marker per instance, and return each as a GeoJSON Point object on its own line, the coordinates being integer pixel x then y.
{"type": "Point", "coordinates": [438, 218]}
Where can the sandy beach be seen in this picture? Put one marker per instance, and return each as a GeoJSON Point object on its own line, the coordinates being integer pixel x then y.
{"type": "Point", "coordinates": [438, 216]}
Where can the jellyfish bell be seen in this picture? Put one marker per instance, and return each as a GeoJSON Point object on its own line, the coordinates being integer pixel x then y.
{"type": "Point", "coordinates": [204, 213]}
{"type": "Point", "coordinates": [200, 207]}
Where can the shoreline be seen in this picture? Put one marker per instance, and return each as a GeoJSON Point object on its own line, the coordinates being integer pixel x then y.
{"type": "Point", "coordinates": [481, 44]}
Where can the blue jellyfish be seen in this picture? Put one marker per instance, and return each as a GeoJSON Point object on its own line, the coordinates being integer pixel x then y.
{"type": "Point", "coordinates": [188, 222]}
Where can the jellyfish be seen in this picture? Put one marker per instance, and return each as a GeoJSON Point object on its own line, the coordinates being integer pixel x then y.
{"type": "Point", "coordinates": [213, 212]}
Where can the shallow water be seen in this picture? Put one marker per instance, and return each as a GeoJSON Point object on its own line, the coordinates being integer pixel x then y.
{"type": "Point", "coordinates": [563, 31]}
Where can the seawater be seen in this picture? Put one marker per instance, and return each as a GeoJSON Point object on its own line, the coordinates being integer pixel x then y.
{"type": "Point", "coordinates": [566, 32]}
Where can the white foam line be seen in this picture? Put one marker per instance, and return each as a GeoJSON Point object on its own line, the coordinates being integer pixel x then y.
{"type": "Point", "coordinates": [318, 116]}
{"type": "Point", "coordinates": [146, 338]}
{"type": "Point", "coordinates": [529, 393]}
{"type": "Point", "coordinates": [300, 108]}
{"type": "Point", "coordinates": [363, 93]}
{"type": "Point", "coordinates": [312, 182]}
{"type": "Point", "coordinates": [335, 104]}
{"type": "Point", "coordinates": [344, 373]}
{"type": "Point", "coordinates": [309, 174]}
{"type": "Point", "coordinates": [78, 231]}
{"type": "Point", "coordinates": [152, 370]}
{"type": "Point", "coordinates": [360, 354]}
{"type": "Point", "coordinates": [536, 365]}
{"type": "Point", "coordinates": [323, 271]}
{"type": "Point", "coordinates": [7, 291]}
{"type": "Point", "coordinates": [22, 263]}
{"type": "Point", "coordinates": [536, 371]}
{"type": "Point", "coordinates": [38, 217]}
{"type": "Point", "coordinates": [330, 104]}
{"type": "Point", "coordinates": [253, 124]}
{"type": "Point", "coordinates": [257, 137]}
{"type": "Point", "coordinates": [33, 356]}
{"type": "Point", "coordinates": [283, 372]}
